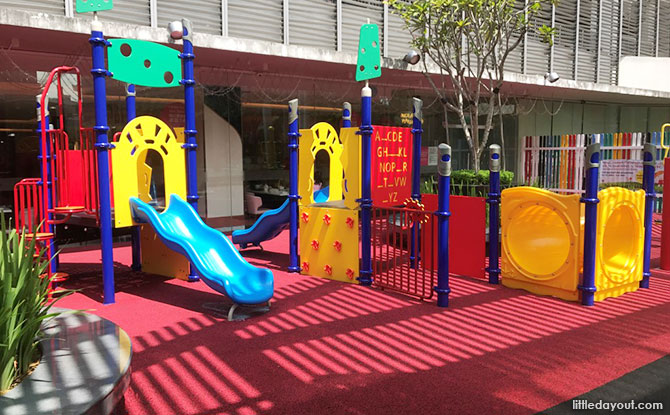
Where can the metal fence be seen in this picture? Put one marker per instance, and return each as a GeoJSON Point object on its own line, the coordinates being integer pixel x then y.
{"type": "Point", "coordinates": [397, 235]}
{"type": "Point", "coordinates": [556, 162]}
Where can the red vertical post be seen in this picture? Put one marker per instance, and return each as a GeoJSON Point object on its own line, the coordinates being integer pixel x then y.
{"type": "Point", "coordinates": [665, 226]}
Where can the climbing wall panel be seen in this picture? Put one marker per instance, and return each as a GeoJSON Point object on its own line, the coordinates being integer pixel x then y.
{"type": "Point", "coordinates": [329, 243]}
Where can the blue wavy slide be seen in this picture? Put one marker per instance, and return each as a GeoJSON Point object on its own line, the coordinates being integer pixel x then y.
{"type": "Point", "coordinates": [270, 224]}
{"type": "Point", "coordinates": [212, 254]}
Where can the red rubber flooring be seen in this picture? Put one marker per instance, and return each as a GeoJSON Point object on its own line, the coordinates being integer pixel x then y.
{"type": "Point", "coordinates": [334, 348]}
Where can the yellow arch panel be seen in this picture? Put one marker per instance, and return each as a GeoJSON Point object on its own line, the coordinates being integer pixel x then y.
{"type": "Point", "coordinates": [322, 136]}
{"type": "Point", "coordinates": [128, 163]}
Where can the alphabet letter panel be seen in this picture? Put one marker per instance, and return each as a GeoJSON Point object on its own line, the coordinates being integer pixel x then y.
{"type": "Point", "coordinates": [391, 165]}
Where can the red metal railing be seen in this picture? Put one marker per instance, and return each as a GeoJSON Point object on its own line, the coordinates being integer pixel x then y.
{"type": "Point", "coordinates": [395, 263]}
{"type": "Point", "coordinates": [29, 206]}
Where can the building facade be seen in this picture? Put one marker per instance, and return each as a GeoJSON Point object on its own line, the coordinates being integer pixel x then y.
{"type": "Point", "coordinates": [254, 56]}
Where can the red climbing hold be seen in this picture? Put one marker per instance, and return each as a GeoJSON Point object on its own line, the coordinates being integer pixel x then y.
{"type": "Point", "coordinates": [305, 266]}
{"type": "Point", "coordinates": [337, 245]}
{"type": "Point", "coordinates": [350, 222]}
{"type": "Point", "coordinates": [305, 217]}
{"type": "Point", "coordinates": [326, 219]}
{"type": "Point", "coordinates": [315, 244]}
{"type": "Point", "coordinates": [350, 273]}
{"type": "Point", "coordinates": [328, 269]}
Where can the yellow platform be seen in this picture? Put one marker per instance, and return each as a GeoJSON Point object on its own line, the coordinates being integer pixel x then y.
{"type": "Point", "coordinates": [542, 242]}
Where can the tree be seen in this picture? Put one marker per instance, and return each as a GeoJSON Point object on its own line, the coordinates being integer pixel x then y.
{"type": "Point", "coordinates": [470, 41]}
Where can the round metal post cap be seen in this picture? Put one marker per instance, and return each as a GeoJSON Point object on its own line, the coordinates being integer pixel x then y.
{"type": "Point", "coordinates": [444, 159]}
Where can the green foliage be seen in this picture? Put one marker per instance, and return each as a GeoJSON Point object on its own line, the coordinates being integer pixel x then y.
{"type": "Point", "coordinates": [506, 178]}
{"type": "Point", "coordinates": [464, 176]}
{"type": "Point", "coordinates": [24, 303]}
{"type": "Point", "coordinates": [429, 186]}
{"type": "Point", "coordinates": [468, 183]}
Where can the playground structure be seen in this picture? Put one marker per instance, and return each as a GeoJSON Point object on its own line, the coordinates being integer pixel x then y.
{"type": "Point", "coordinates": [353, 230]}
{"type": "Point", "coordinates": [80, 181]}
{"type": "Point", "coordinates": [587, 248]}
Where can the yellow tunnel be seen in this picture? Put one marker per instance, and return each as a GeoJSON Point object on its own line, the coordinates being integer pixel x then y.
{"type": "Point", "coordinates": [542, 242]}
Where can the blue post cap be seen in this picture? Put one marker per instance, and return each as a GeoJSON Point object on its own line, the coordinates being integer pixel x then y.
{"type": "Point", "coordinates": [494, 161]}
{"type": "Point", "coordinates": [444, 160]}
{"type": "Point", "coordinates": [648, 155]}
{"type": "Point", "coordinates": [592, 156]}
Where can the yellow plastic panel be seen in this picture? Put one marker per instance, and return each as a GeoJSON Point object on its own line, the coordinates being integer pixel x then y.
{"type": "Point", "coordinates": [351, 161]}
{"type": "Point", "coordinates": [322, 231]}
{"type": "Point", "coordinates": [620, 242]}
{"type": "Point", "coordinates": [143, 177]}
{"type": "Point", "coordinates": [138, 136]}
{"type": "Point", "coordinates": [306, 168]}
{"type": "Point", "coordinates": [159, 259]}
{"type": "Point", "coordinates": [540, 238]}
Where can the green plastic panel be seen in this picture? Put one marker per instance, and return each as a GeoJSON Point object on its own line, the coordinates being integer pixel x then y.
{"type": "Point", "coordinates": [144, 63]}
{"type": "Point", "coordinates": [368, 65]}
{"type": "Point", "coordinates": [85, 6]}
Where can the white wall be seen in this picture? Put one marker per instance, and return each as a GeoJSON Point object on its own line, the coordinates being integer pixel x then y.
{"type": "Point", "coordinates": [223, 158]}
{"type": "Point", "coordinates": [644, 73]}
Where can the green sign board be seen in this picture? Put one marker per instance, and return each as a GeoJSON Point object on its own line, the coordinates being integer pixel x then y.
{"type": "Point", "coordinates": [85, 6]}
{"type": "Point", "coordinates": [144, 63]}
{"type": "Point", "coordinates": [368, 65]}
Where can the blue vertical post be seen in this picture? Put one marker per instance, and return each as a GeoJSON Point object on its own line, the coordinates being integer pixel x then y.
{"type": "Point", "coordinates": [346, 115]}
{"type": "Point", "coordinates": [649, 166]}
{"type": "Point", "coordinates": [293, 134]}
{"type": "Point", "coordinates": [417, 130]}
{"type": "Point", "coordinates": [590, 199]}
{"type": "Point", "coordinates": [444, 170]}
{"type": "Point", "coordinates": [102, 145]}
{"type": "Point", "coordinates": [131, 113]}
{"type": "Point", "coordinates": [494, 213]}
{"type": "Point", "coordinates": [46, 176]}
{"type": "Point", "coordinates": [190, 132]}
{"type": "Point", "coordinates": [365, 131]}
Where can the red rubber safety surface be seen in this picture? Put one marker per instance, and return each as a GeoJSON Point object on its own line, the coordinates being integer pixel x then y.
{"type": "Point", "coordinates": [334, 348]}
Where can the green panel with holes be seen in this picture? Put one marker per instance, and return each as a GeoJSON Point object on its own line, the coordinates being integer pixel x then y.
{"type": "Point", "coordinates": [85, 6]}
{"type": "Point", "coordinates": [368, 65]}
{"type": "Point", "coordinates": [144, 63]}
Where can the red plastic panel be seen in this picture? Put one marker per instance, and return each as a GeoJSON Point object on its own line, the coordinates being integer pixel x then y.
{"type": "Point", "coordinates": [76, 180]}
{"type": "Point", "coordinates": [391, 165]}
{"type": "Point", "coordinates": [467, 234]}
